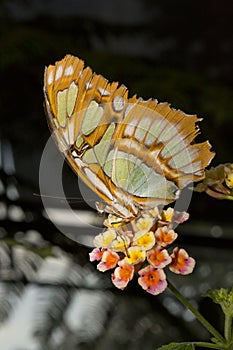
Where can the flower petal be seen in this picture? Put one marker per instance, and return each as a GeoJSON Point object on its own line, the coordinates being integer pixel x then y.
{"type": "Point", "coordinates": [152, 280]}
{"type": "Point", "coordinates": [158, 257]}
{"type": "Point", "coordinates": [144, 239]}
{"type": "Point", "coordinates": [180, 217]}
{"type": "Point", "coordinates": [135, 255]}
{"type": "Point", "coordinates": [104, 239]}
{"type": "Point", "coordinates": [109, 261]}
{"type": "Point", "coordinates": [154, 212]}
{"type": "Point", "coordinates": [95, 254]}
{"type": "Point", "coordinates": [167, 215]}
{"type": "Point", "coordinates": [181, 262]}
{"type": "Point", "coordinates": [122, 275]}
{"type": "Point", "coordinates": [120, 243]}
{"type": "Point", "coordinates": [144, 223]}
{"type": "Point", "coordinates": [165, 236]}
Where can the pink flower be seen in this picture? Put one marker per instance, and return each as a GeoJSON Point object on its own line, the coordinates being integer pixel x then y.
{"type": "Point", "coordinates": [109, 261]}
{"type": "Point", "coordinates": [152, 280]}
{"type": "Point", "coordinates": [96, 254]}
{"type": "Point", "coordinates": [122, 274]}
{"type": "Point", "coordinates": [180, 217]}
{"type": "Point", "coordinates": [181, 262]}
{"type": "Point", "coordinates": [158, 257]}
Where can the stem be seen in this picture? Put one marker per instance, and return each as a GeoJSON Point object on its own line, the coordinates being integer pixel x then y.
{"type": "Point", "coordinates": [199, 316]}
{"type": "Point", "coordinates": [227, 328]}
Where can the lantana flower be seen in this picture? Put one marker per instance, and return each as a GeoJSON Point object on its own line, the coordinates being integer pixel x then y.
{"type": "Point", "coordinates": [120, 243]}
{"type": "Point", "coordinates": [109, 260]}
{"type": "Point", "coordinates": [158, 257]}
{"type": "Point", "coordinates": [141, 247]}
{"type": "Point", "coordinates": [122, 274]}
{"type": "Point", "coordinates": [152, 280]}
{"type": "Point", "coordinates": [104, 239]}
{"type": "Point", "coordinates": [144, 239]}
{"type": "Point", "coordinates": [144, 223]}
{"type": "Point", "coordinates": [167, 215]}
{"type": "Point", "coordinates": [181, 262]}
{"type": "Point", "coordinates": [165, 236]}
{"type": "Point", "coordinates": [135, 255]}
{"type": "Point", "coordinates": [96, 254]}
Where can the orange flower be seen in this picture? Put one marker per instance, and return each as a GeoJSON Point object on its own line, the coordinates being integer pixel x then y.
{"type": "Point", "coordinates": [109, 261]}
{"type": "Point", "coordinates": [158, 257]}
{"type": "Point", "coordinates": [181, 262]}
{"type": "Point", "coordinates": [122, 274]}
{"type": "Point", "coordinates": [152, 280]}
{"type": "Point", "coordinates": [165, 236]}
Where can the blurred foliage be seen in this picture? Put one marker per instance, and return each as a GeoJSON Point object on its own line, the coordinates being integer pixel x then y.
{"type": "Point", "coordinates": [28, 47]}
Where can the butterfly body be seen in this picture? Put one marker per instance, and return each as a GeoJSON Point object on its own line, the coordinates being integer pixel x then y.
{"type": "Point", "coordinates": [134, 154]}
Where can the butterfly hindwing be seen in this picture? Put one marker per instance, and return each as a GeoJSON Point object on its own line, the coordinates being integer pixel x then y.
{"type": "Point", "coordinates": [132, 153]}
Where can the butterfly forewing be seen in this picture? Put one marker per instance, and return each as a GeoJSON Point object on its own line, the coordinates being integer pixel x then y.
{"type": "Point", "coordinates": [133, 153]}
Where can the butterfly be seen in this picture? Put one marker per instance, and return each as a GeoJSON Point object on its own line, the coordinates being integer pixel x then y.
{"type": "Point", "coordinates": [134, 154]}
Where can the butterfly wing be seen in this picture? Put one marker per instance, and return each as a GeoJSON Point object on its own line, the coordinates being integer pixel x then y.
{"type": "Point", "coordinates": [133, 153]}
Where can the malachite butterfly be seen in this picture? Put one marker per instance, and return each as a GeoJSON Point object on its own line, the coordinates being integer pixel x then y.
{"type": "Point", "coordinates": [134, 154]}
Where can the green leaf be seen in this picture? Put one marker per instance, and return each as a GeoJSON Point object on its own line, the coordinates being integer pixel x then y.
{"type": "Point", "coordinates": [215, 341]}
{"type": "Point", "coordinates": [223, 297]}
{"type": "Point", "coordinates": [177, 346]}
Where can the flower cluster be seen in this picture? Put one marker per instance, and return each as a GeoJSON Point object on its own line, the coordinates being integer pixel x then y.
{"type": "Point", "coordinates": [140, 246]}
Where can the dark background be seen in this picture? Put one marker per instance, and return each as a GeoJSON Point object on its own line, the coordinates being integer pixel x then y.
{"type": "Point", "coordinates": [175, 51]}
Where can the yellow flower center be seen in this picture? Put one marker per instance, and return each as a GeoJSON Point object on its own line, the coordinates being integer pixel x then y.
{"type": "Point", "coordinates": [136, 255]}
